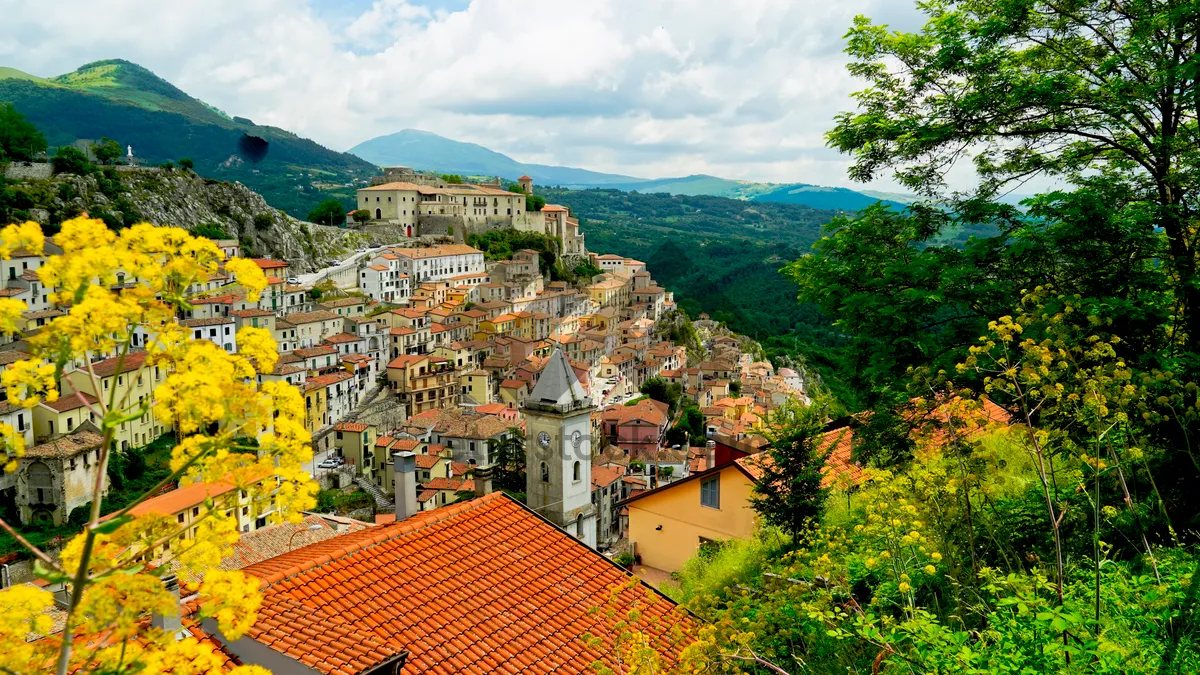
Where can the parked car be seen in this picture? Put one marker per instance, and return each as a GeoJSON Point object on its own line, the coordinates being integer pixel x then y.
{"type": "Point", "coordinates": [328, 463]}
{"type": "Point", "coordinates": [295, 281]}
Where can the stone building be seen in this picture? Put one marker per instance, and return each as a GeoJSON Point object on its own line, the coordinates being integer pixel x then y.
{"type": "Point", "coordinates": [57, 476]}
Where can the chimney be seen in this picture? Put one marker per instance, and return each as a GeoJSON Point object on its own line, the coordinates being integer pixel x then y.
{"type": "Point", "coordinates": [172, 622]}
{"type": "Point", "coordinates": [710, 453]}
{"type": "Point", "coordinates": [404, 465]}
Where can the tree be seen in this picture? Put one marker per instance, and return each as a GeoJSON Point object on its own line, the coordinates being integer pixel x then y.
{"type": "Point", "coordinates": [508, 456]}
{"type": "Point", "coordinates": [19, 139]}
{"type": "Point", "coordinates": [210, 231]}
{"type": "Point", "coordinates": [361, 216]}
{"type": "Point", "coordinates": [660, 390]}
{"type": "Point", "coordinates": [106, 150]}
{"type": "Point", "coordinates": [264, 221]}
{"type": "Point", "coordinates": [586, 270]}
{"type": "Point", "coordinates": [788, 493]}
{"type": "Point", "coordinates": [211, 397]}
{"type": "Point", "coordinates": [534, 202]}
{"type": "Point", "coordinates": [1084, 91]}
{"type": "Point", "coordinates": [328, 212]}
{"type": "Point", "coordinates": [68, 159]}
{"type": "Point", "coordinates": [187, 163]}
{"type": "Point", "coordinates": [452, 178]}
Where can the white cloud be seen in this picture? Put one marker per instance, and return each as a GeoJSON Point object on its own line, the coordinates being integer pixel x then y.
{"type": "Point", "coordinates": [649, 88]}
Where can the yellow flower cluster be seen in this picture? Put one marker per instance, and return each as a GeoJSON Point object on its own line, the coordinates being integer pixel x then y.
{"type": "Point", "coordinates": [112, 287]}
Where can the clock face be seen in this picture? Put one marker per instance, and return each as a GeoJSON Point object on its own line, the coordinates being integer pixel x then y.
{"type": "Point", "coordinates": [576, 438]}
{"type": "Point", "coordinates": [544, 439]}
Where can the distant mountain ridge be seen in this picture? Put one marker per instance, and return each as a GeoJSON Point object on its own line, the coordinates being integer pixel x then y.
{"type": "Point", "coordinates": [128, 103]}
{"type": "Point", "coordinates": [426, 151]}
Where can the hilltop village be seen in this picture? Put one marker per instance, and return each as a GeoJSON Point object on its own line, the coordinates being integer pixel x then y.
{"type": "Point", "coordinates": [441, 384]}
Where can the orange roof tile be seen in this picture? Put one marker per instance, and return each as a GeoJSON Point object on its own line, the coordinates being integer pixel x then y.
{"type": "Point", "coordinates": [480, 586]}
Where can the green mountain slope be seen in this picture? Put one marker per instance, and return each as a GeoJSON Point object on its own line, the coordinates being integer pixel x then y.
{"type": "Point", "coordinates": [126, 102]}
{"type": "Point", "coordinates": [425, 151]}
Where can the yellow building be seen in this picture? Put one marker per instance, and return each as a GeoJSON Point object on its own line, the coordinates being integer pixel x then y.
{"type": "Point", "coordinates": [355, 442]}
{"type": "Point", "coordinates": [62, 416]}
{"type": "Point", "coordinates": [669, 524]}
{"type": "Point", "coordinates": [476, 386]}
{"type": "Point", "coordinates": [316, 405]}
{"type": "Point", "coordinates": [133, 385]}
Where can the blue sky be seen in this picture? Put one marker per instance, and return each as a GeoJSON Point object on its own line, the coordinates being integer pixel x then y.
{"type": "Point", "coordinates": [742, 89]}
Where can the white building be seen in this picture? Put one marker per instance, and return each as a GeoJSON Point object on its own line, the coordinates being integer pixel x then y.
{"type": "Point", "coordinates": [439, 263]}
{"type": "Point", "coordinates": [220, 331]}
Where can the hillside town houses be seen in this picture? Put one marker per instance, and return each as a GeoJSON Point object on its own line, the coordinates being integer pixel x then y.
{"type": "Point", "coordinates": [425, 367]}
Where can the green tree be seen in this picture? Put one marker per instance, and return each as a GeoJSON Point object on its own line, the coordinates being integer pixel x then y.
{"type": "Point", "coordinates": [508, 456]}
{"type": "Point", "coordinates": [264, 221]}
{"type": "Point", "coordinates": [19, 139]}
{"type": "Point", "coordinates": [187, 163]}
{"type": "Point", "coordinates": [106, 150]}
{"type": "Point", "coordinates": [587, 270]}
{"type": "Point", "coordinates": [328, 212]}
{"type": "Point", "coordinates": [788, 494]}
{"type": "Point", "coordinates": [361, 216]}
{"type": "Point", "coordinates": [659, 389]}
{"type": "Point", "coordinates": [68, 159]}
{"type": "Point", "coordinates": [452, 178]}
{"type": "Point", "coordinates": [210, 231]}
{"type": "Point", "coordinates": [534, 202]}
{"type": "Point", "coordinates": [1079, 91]}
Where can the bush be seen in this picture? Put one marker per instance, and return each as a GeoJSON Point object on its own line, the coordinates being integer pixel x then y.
{"type": "Point", "coordinates": [625, 559]}
{"type": "Point", "coordinates": [68, 159]}
{"type": "Point", "coordinates": [328, 212]}
{"type": "Point", "coordinates": [264, 221]}
{"type": "Point", "coordinates": [106, 150]}
{"type": "Point", "coordinates": [361, 216]}
{"type": "Point", "coordinates": [210, 231]}
{"type": "Point", "coordinates": [187, 163]}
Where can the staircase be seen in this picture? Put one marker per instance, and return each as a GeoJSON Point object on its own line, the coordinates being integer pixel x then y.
{"type": "Point", "coordinates": [382, 499]}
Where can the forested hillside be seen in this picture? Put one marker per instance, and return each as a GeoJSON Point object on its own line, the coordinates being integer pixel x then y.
{"type": "Point", "coordinates": [125, 102]}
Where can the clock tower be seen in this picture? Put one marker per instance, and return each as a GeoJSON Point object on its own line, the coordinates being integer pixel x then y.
{"type": "Point", "coordinates": [558, 450]}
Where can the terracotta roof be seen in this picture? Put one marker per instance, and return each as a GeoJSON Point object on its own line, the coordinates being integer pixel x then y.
{"type": "Point", "coordinates": [454, 484]}
{"type": "Point", "coordinates": [71, 401]}
{"type": "Point", "coordinates": [342, 338]}
{"type": "Point", "coordinates": [343, 302]}
{"type": "Point", "coordinates": [603, 476]}
{"type": "Point", "coordinates": [198, 323]}
{"type": "Point", "coordinates": [311, 317]}
{"type": "Point", "coordinates": [267, 264]}
{"type": "Point", "coordinates": [483, 586]}
{"type": "Point", "coordinates": [108, 367]}
{"type": "Point", "coordinates": [66, 446]}
{"type": "Point", "coordinates": [326, 380]}
{"type": "Point", "coordinates": [319, 350]}
{"type": "Point", "coordinates": [428, 461]}
{"type": "Point", "coordinates": [12, 356]}
{"type": "Point", "coordinates": [269, 542]}
{"type": "Point", "coordinates": [356, 427]}
{"type": "Point", "coordinates": [178, 500]}
{"type": "Point", "coordinates": [435, 251]}
{"type": "Point", "coordinates": [247, 313]}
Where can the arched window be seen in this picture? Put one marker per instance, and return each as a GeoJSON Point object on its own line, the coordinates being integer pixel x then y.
{"type": "Point", "coordinates": [579, 526]}
{"type": "Point", "coordinates": [575, 472]}
{"type": "Point", "coordinates": [545, 473]}
{"type": "Point", "coordinates": [378, 214]}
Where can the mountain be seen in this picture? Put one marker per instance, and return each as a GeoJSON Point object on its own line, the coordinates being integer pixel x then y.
{"type": "Point", "coordinates": [698, 184]}
{"type": "Point", "coordinates": [128, 103]}
{"type": "Point", "coordinates": [819, 197]}
{"type": "Point", "coordinates": [425, 151]}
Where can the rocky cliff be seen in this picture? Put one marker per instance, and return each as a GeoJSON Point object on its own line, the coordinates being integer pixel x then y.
{"type": "Point", "coordinates": [184, 199]}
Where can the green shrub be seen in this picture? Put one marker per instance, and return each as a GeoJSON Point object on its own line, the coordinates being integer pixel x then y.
{"type": "Point", "coordinates": [264, 221]}
{"type": "Point", "coordinates": [68, 159]}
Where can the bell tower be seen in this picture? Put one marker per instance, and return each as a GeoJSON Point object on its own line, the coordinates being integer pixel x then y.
{"type": "Point", "coordinates": [558, 450]}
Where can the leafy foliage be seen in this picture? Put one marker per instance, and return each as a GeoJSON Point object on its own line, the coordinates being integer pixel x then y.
{"type": "Point", "coordinates": [68, 159]}
{"type": "Point", "coordinates": [19, 139]}
{"type": "Point", "coordinates": [328, 212]}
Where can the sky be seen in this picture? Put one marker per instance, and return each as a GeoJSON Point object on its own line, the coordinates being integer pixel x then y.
{"type": "Point", "coordinates": [650, 88]}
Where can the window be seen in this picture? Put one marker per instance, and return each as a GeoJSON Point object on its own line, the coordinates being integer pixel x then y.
{"type": "Point", "coordinates": [575, 472]}
{"type": "Point", "coordinates": [179, 517]}
{"type": "Point", "coordinates": [545, 473]}
{"type": "Point", "coordinates": [710, 493]}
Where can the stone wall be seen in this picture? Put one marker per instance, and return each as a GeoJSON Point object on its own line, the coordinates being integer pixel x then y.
{"type": "Point", "coordinates": [28, 171]}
